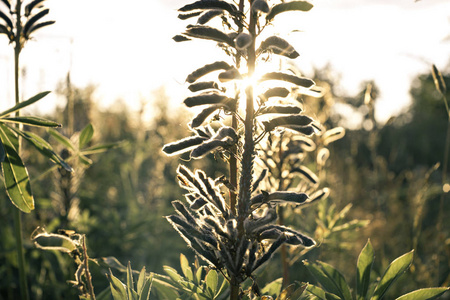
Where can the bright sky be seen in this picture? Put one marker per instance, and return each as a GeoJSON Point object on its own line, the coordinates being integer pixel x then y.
{"type": "Point", "coordinates": [125, 48]}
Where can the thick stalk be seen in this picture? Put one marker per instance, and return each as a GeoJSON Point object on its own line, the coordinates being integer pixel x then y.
{"type": "Point", "coordinates": [17, 215]}
{"type": "Point", "coordinates": [245, 183]}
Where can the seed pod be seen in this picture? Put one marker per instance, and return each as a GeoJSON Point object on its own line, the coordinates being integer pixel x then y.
{"type": "Point", "coordinates": [278, 46]}
{"type": "Point", "coordinates": [306, 130]}
{"type": "Point", "coordinates": [226, 133]}
{"type": "Point", "coordinates": [207, 147]}
{"type": "Point", "coordinates": [274, 92]}
{"type": "Point", "coordinates": [320, 194]}
{"type": "Point", "coordinates": [280, 197]}
{"type": "Point", "coordinates": [201, 117]}
{"type": "Point", "coordinates": [332, 135]}
{"type": "Point", "coordinates": [29, 7]}
{"type": "Point", "coordinates": [188, 16]}
{"type": "Point", "coordinates": [288, 6]}
{"type": "Point", "coordinates": [210, 4]}
{"type": "Point", "coordinates": [182, 211]}
{"type": "Point", "coordinates": [218, 65]}
{"type": "Point", "coordinates": [7, 3]}
{"type": "Point", "coordinates": [33, 20]}
{"type": "Point", "coordinates": [203, 99]}
{"type": "Point", "coordinates": [215, 197]}
{"type": "Point", "coordinates": [231, 74]}
{"type": "Point", "coordinates": [322, 156]}
{"type": "Point", "coordinates": [260, 178]}
{"type": "Point", "coordinates": [4, 29]}
{"type": "Point", "coordinates": [36, 27]}
{"type": "Point", "coordinates": [261, 6]}
{"type": "Point", "coordinates": [307, 241]}
{"type": "Point", "coordinates": [183, 145]}
{"type": "Point", "coordinates": [280, 109]}
{"type": "Point", "coordinates": [269, 252]}
{"type": "Point", "coordinates": [198, 203]}
{"type": "Point", "coordinates": [6, 19]}
{"type": "Point", "coordinates": [180, 38]}
{"type": "Point", "coordinates": [218, 228]}
{"type": "Point", "coordinates": [306, 173]}
{"type": "Point", "coordinates": [208, 33]}
{"type": "Point", "coordinates": [438, 80]}
{"type": "Point", "coordinates": [240, 253]}
{"type": "Point", "coordinates": [296, 120]}
{"type": "Point", "coordinates": [306, 144]}
{"type": "Point", "coordinates": [270, 234]}
{"type": "Point", "coordinates": [252, 225]}
{"type": "Point", "coordinates": [205, 85]}
{"type": "Point", "coordinates": [300, 81]}
{"type": "Point", "coordinates": [299, 239]}
{"type": "Point", "coordinates": [207, 16]}
{"type": "Point", "coordinates": [243, 41]}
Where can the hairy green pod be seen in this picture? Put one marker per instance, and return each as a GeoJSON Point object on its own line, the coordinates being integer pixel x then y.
{"type": "Point", "coordinates": [280, 109]}
{"type": "Point", "coordinates": [203, 99]}
{"type": "Point", "coordinates": [296, 120]}
{"type": "Point", "coordinates": [190, 15]}
{"type": "Point", "coordinates": [288, 6]}
{"type": "Point", "coordinates": [199, 86]}
{"type": "Point", "coordinates": [182, 145]}
{"type": "Point", "coordinates": [229, 75]}
{"type": "Point", "coordinates": [207, 147]}
{"type": "Point", "coordinates": [274, 92]}
{"type": "Point", "coordinates": [279, 197]}
{"type": "Point", "coordinates": [300, 81]}
{"type": "Point", "coordinates": [243, 41]}
{"type": "Point", "coordinates": [208, 33]}
{"type": "Point", "coordinates": [278, 46]}
{"type": "Point", "coordinates": [33, 20]}
{"type": "Point", "coordinates": [210, 4]}
{"type": "Point", "coordinates": [306, 173]}
{"type": "Point", "coordinates": [209, 15]}
{"type": "Point", "coordinates": [201, 117]}
{"type": "Point", "coordinates": [218, 65]}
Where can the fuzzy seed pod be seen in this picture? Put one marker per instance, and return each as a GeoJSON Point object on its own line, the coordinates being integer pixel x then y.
{"type": "Point", "coordinates": [183, 145]}
{"type": "Point", "coordinates": [199, 86]}
{"type": "Point", "coordinates": [288, 6]}
{"type": "Point", "coordinates": [280, 109]}
{"type": "Point", "coordinates": [209, 15]}
{"type": "Point", "coordinates": [306, 130]}
{"type": "Point", "coordinates": [208, 33]}
{"type": "Point", "coordinates": [207, 147]}
{"type": "Point", "coordinates": [300, 81]}
{"type": "Point", "coordinates": [284, 121]}
{"type": "Point", "coordinates": [198, 203]}
{"type": "Point", "coordinates": [306, 173]}
{"type": "Point", "coordinates": [210, 4]}
{"type": "Point", "coordinates": [278, 46]}
{"type": "Point", "coordinates": [332, 135]}
{"type": "Point", "coordinates": [279, 197]}
{"type": "Point", "coordinates": [218, 65]}
{"type": "Point", "coordinates": [188, 16]}
{"type": "Point", "coordinates": [274, 92]}
{"type": "Point", "coordinates": [260, 178]}
{"type": "Point", "coordinates": [203, 99]}
{"type": "Point", "coordinates": [322, 156]}
{"type": "Point", "coordinates": [260, 6]}
{"type": "Point", "coordinates": [180, 38]}
{"type": "Point", "coordinates": [201, 117]}
{"type": "Point", "coordinates": [243, 41]}
{"type": "Point", "coordinates": [231, 74]}
{"type": "Point", "coordinates": [182, 211]}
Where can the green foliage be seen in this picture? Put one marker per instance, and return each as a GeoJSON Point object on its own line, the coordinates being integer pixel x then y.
{"type": "Point", "coordinates": [129, 291]}
{"type": "Point", "coordinates": [335, 287]}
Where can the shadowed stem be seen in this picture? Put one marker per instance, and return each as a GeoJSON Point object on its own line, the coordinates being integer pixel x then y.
{"type": "Point", "coordinates": [17, 214]}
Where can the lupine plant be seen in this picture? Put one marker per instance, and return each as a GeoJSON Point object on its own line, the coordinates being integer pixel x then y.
{"type": "Point", "coordinates": [18, 22]}
{"type": "Point", "coordinates": [229, 220]}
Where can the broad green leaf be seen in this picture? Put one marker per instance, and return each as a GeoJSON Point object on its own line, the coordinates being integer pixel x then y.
{"type": "Point", "coordinates": [199, 274]}
{"type": "Point", "coordinates": [86, 135]}
{"type": "Point", "coordinates": [392, 273]}
{"type": "Point", "coordinates": [23, 104]}
{"type": "Point", "coordinates": [62, 139]}
{"type": "Point", "coordinates": [111, 262]}
{"type": "Point", "coordinates": [17, 181]}
{"type": "Point", "coordinates": [141, 280]}
{"type": "Point", "coordinates": [212, 280]}
{"type": "Point", "coordinates": [33, 121]}
{"type": "Point", "coordinates": [338, 280]}
{"type": "Point", "coordinates": [144, 293]}
{"type": "Point", "coordinates": [164, 289]}
{"type": "Point", "coordinates": [288, 6]}
{"type": "Point", "coordinates": [292, 292]}
{"type": "Point", "coordinates": [424, 294]}
{"type": "Point", "coordinates": [172, 274]}
{"type": "Point", "coordinates": [117, 287]}
{"type": "Point", "coordinates": [273, 288]}
{"type": "Point", "coordinates": [364, 267]}
{"type": "Point", "coordinates": [187, 270]}
{"type": "Point", "coordinates": [321, 294]}
{"type": "Point", "coordinates": [43, 147]}
{"type": "Point", "coordinates": [104, 295]}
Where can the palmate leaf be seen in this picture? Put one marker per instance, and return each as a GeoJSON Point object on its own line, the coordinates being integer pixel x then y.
{"type": "Point", "coordinates": [17, 181]}
{"type": "Point", "coordinates": [288, 6]}
{"type": "Point", "coordinates": [392, 273]}
{"type": "Point", "coordinates": [24, 104]}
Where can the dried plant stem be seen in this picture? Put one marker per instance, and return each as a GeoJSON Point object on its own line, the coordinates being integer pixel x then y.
{"type": "Point", "coordinates": [86, 271]}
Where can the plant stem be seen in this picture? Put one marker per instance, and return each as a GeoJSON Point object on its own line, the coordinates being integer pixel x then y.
{"type": "Point", "coordinates": [86, 270]}
{"type": "Point", "coordinates": [17, 215]}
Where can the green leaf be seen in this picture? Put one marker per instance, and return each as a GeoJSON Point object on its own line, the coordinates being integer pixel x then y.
{"type": "Point", "coordinates": [2, 152]}
{"type": "Point", "coordinates": [321, 294]}
{"type": "Point", "coordinates": [43, 147]}
{"type": "Point", "coordinates": [100, 148]}
{"type": "Point", "coordinates": [33, 121]}
{"type": "Point", "coordinates": [288, 6]}
{"type": "Point", "coordinates": [331, 280]}
{"type": "Point", "coordinates": [62, 140]}
{"type": "Point", "coordinates": [164, 289]}
{"type": "Point", "coordinates": [292, 291]}
{"type": "Point", "coordinates": [144, 293]}
{"type": "Point", "coordinates": [424, 294]}
{"type": "Point", "coordinates": [172, 274]}
{"type": "Point", "coordinates": [392, 273]}
{"type": "Point", "coordinates": [17, 181]}
{"type": "Point", "coordinates": [187, 270]}
{"type": "Point", "coordinates": [141, 280]}
{"type": "Point", "coordinates": [212, 280]}
{"type": "Point", "coordinates": [117, 287]}
{"type": "Point", "coordinates": [273, 288]}
{"type": "Point", "coordinates": [23, 104]}
{"type": "Point", "coordinates": [86, 135]}
{"type": "Point", "coordinates": [338, 280]}
{"type": "Point", "coordinates": [364, 266]}
{"type": "Point", "coordinates": [130, 284]}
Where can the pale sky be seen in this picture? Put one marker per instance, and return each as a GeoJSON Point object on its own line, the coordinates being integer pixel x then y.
{"type": "Point", "coordinates": [125, 47]}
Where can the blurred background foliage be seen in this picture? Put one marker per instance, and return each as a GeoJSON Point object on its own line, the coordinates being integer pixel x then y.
{"type": "Point", "coordinates": [388, 172]}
